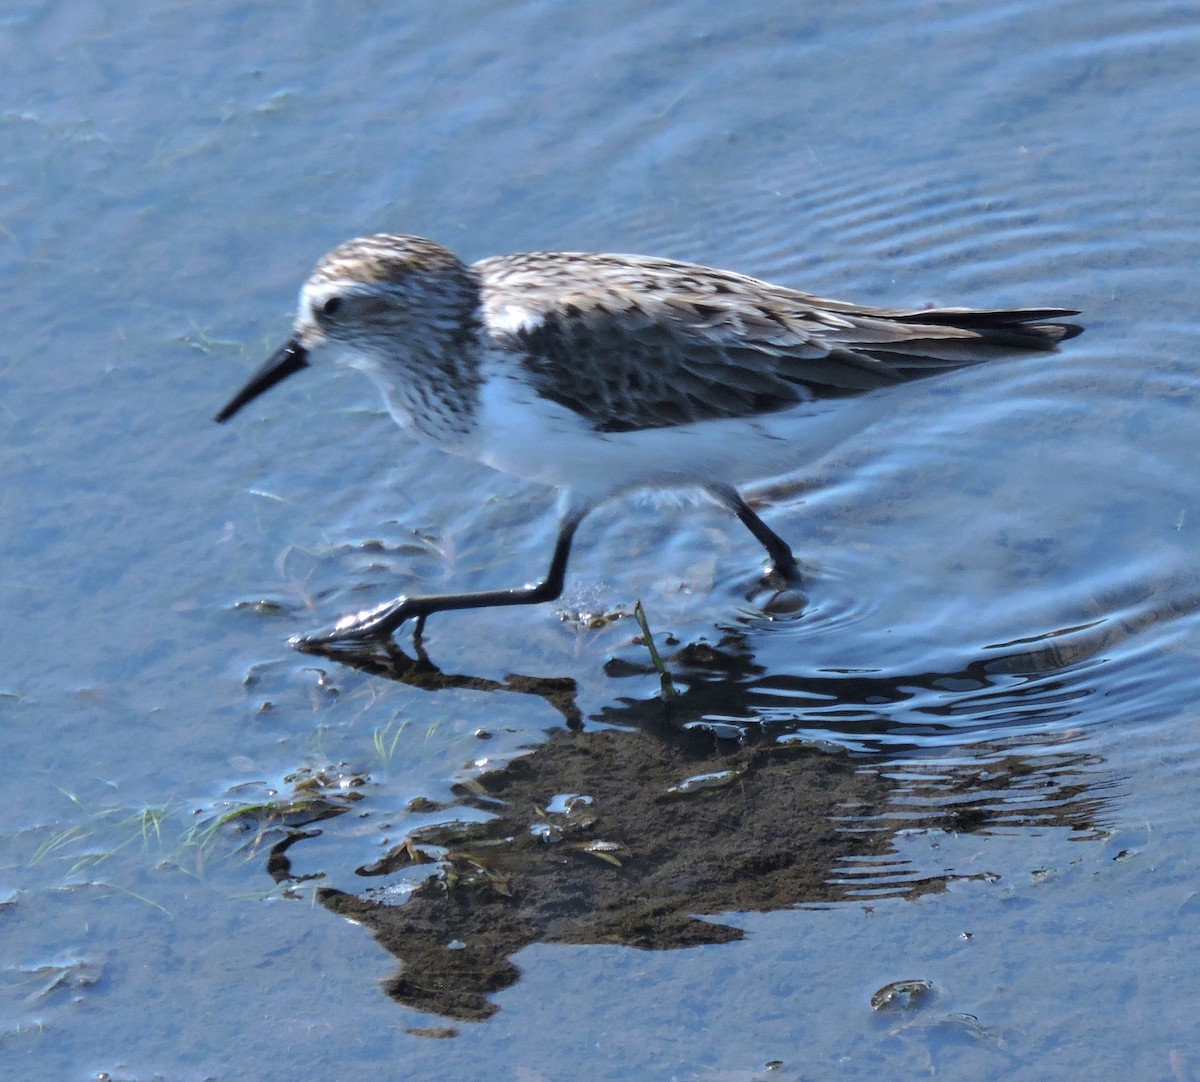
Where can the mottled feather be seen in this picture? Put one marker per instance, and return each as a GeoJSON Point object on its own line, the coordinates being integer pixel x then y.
{"type": "Point", "coordinates": [631, 342]}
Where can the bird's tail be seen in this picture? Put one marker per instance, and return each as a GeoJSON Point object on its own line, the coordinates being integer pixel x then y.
{"type": "Point", "coordinates": [947, 337]}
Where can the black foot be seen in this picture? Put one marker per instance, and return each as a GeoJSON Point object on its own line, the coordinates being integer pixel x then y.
{"type": "Point", "coordinates": [784, 572]}
{"type": "Point", "coordinates": [369, 626]}
{"type": "Point", "coordinates": [787, 583]}
{"type": "Point", "coordinates": [781, 576]}
{"type": "Point", "coordinates": [372, 626]}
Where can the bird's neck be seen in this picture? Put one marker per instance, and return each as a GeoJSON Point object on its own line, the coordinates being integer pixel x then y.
{"type": "Point", "coordinates": [434, 387]}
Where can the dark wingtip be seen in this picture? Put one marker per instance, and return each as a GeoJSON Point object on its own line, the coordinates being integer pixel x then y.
{"type": "Point", "coordinates": [1050, 335]}
{"type": "Point", "coordinates": [1017, 328]}
{"type": "Point", "coordinates": [288, 359]}
{"type": "Point", "coordinates": [1068, 330]}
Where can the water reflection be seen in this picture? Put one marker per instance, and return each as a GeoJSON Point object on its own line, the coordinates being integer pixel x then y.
{"type": "Point", "coordinates": [417, 670]}
{"type": "Point", "coordinates": [1027, 686]}
{"type": "Point", "coordinates": [716, 803]}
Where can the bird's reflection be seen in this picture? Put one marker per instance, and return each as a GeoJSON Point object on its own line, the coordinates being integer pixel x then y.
{"type": "Point", "coordinates": [632, 831]}
{"type": "Point", "coordinates": [418, 671]}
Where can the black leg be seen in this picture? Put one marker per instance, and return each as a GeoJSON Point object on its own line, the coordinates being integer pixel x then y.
{"type": "Point", "coordinates": [783, 563]}
{"type": "Point", "coordinates": [374, 625]}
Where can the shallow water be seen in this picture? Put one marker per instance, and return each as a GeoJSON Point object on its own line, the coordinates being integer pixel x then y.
{"type": "Point", "coordinates": [1001, 625]}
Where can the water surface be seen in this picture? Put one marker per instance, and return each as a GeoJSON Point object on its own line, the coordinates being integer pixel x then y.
{"type": "Point", "coordinates": [997, 658]}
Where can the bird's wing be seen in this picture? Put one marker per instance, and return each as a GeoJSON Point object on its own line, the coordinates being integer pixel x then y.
{"type": "Point", "coordinates": [633, 343]}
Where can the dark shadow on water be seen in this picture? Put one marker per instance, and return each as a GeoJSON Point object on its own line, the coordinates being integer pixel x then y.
{"type": "Point", "coordinates": [633, 833]}
{"type": "Point", "coordinates": [390, 661]}
{"type": "Point", "coordinates": [653, 836]}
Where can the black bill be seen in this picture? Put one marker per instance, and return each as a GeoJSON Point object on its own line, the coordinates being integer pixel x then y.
{"type": "Point", "coordinates": [282, 363]}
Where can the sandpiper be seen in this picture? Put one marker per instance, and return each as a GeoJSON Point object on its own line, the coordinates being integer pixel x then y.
{"type": "Point", "coordinates": [598, 374]}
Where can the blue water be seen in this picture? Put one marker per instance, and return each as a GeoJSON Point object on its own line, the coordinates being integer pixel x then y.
{"type": "Point", "coordinates": [1005, 567]}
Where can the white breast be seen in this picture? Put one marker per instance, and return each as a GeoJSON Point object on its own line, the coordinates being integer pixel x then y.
{"type": "Point", "coordinates": [527, 436]}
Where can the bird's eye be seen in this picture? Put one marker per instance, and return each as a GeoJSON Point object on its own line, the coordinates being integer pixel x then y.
{"type": "Point", "coordinates": [331, 306]}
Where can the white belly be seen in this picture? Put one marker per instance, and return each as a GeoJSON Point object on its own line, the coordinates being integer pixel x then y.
{"type": "Point", "coordinates": [539, 440]}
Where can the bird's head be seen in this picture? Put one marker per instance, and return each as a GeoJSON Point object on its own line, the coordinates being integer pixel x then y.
{"type": "Point", "coordinates": [374, 302]}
